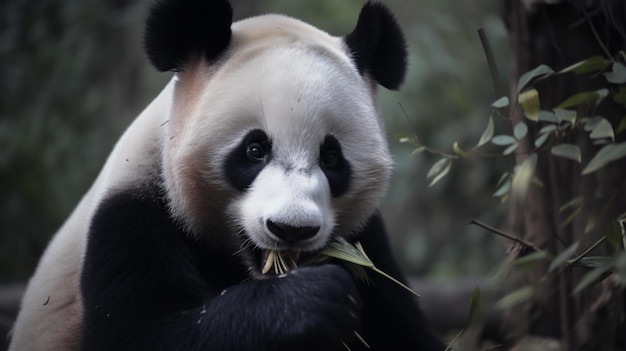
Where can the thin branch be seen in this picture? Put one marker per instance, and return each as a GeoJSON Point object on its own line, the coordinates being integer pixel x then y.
{"type": "Point", "coordinates": [491, 61]}
{"type": "Point", "coordinates": [503, 234]}
{"type": "Point", "coordinates": [580, 257]}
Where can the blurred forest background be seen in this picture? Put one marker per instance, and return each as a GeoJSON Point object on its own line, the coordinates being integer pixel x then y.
{"type": "Point", "coordinates": [74, 75]}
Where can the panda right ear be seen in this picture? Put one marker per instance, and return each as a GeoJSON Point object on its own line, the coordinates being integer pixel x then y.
{"type": "Point", "coordinates": [177, 29]}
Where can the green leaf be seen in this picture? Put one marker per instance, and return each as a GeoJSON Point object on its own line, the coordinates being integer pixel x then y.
{"type": "Point", "coordinates": [520, 130]}
{"type": "Point", "coordinates": [614, 235]}
{"type": "Point", "coordinates": [591, 223]}
{"type": "Point", "coordinates": [541, 139]}
{"type": "Point", "coordinates": [573, 203]}
{"type": "Point", "coordinates": [592, 64]}
{"type": "Point", "coordinates": [620, 96]}
{"type": "Point", "coordinates": [548, 129]}
{"type": "Point", "coordinates": [437, 168]}
{"type": "Point", "coordinates": [547, 116]}
{"type": "Point", "coordinates": [515, 298]}
{"type": "Point", "coordinates": [529, 100]}
{"type": "Point", "coordinates": [572, 216]}
{"type": "Point", "coordinates": [562, 257]}
{"type": "Point", "coordinates": [503, 140]}
{"type": "Point", "coordinates": [583, 98]}
{"type": "Point", "coordinates": [565, 115]}
{"type": "Point", "coordinates": [570, 151]}
{"type": "Point", "coordinates": [618, 75]}
{"type": "Point", "coordinates": [503, 190]}
{"type": "Point", "coordinates": [523, 176]}
{"type": "Point", "coordinates": [501, 102]}
{"type": "Point", "coordinates": [474, 306]}
{"type": "Point", "coordinates": [343, 250]}
{"type": "Point", "coordinates": [457, 150]}
{"type": "Point", "coordinates": [600, 128]}
{"type": "Point", "coordinates": [608, 153]}
{"type": "Point", "coordinates": [595, 274]}
{"type": "Point", "coordinates": [418, 150]}
{"type": "Point", "coordinates": [531, 259]}
{"type": "Point", "coordinates": [441, 174]}
{"type": "Point", "coordinates": [538, 72]}
{"type": "Point", "coordinates": [622, 125]}
{"type": "Point", "coordinates": [509, 150]}
{"type": "Point", "coordinates": [487, 134]}
{"type": "Point", "coordinates": [591, 261]}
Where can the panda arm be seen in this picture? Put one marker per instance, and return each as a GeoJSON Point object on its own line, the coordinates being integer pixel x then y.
{"type": "Point", "coordinates": [392, 319]}
{"type": "Point", "coordinates": [147, 285]}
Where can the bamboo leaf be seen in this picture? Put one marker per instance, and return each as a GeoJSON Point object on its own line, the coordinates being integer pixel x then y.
{"type": "Point", "coordinates": [503, 140]}
{"type": "Point", "coordinates": [441, 174]}
{"type": "Point", "coordinates": [608, 153]}
{"type": "Point", "coordinates": [529, 100]}
{"type": "Point", "coordinates": [583, 98]}
{"type": "Point", "coordinates": [474, 306]}
{"type": "Point", "coordinates": [548, 116]}
{"type": "Point", "coordinates": [575, 202]}
{"type": "Point", "coordinates": [457, 149]}
{"type": "Point", "coordinates": [622, 125]}
{"type": "Point", "coordinates": [565, 115]}
{"type": "Point", "coordinates": [487, 134]}
{"type": "Point", "coordinates": [515, 298]}
{"type": "Point", "coordinates": [523, 176]}
{"type": "Point", "coordinates": [501, 102]}
{"type": "Point", "coordinates": [531, 259]}
{"type": "Point", "coordinates": [590, 65]}
{"type": "Point", "coordinates": [618, 75]}
{"type": "Point", "coordinates": [548, 129]}
{"type": "Point", "coordinates": [595, 274]}
{"type": "Point", "coordinates": [509, 150]}
{"type": "Point", "coordinates": [539, 72]}
{"type": "Point", "coordinates": [591, 261]}
{"type": "Point", "coordinates": [620, 96]}
{"type": "Point", "coordinates": [418, 150]}
{"type": "Point", "coordinates": [601, 128]}
{"type": "Point", "coordinates": [520, 130]}
{"type": "Point", "coordinates": [437, 168]}
{"type": "Point", "coordinates": [570, 151]}
{"type": "Point", "coordinates": [562, 257]}
{"type": "Point", "coordinates": [541, 139]}
{"type": "Point", "coordinates": [503, 190]}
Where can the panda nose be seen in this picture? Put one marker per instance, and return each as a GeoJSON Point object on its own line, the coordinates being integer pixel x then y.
{"type": "Point", "coordinates": [290, 233]}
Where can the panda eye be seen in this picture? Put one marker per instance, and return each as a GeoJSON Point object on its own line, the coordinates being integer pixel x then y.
{"type": "Point", "coordinates": [255, 152]}
{"type": "Point", "coordinates": [329, 158]}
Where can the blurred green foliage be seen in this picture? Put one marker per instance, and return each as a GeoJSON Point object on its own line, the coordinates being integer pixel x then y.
{"type": "Point", "coordinates": [74, 76]}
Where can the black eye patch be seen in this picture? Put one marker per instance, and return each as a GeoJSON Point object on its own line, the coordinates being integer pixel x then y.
{"type": "Point", "coordinates": [335, 166]}
{"type": "Point", "coordinates": [246, 161]}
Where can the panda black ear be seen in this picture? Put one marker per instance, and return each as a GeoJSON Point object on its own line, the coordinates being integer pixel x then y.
{"type": "Point", "coordinates": [377, 45]}
{"type": "Point", "coordinates": [177, 29]}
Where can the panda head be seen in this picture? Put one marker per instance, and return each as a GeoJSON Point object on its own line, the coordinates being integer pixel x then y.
{"type": "Point", "coordinates": [274, 137]}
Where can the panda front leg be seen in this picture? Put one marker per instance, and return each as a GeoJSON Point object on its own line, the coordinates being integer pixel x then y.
{"type": "Point", "coordinates": [147, 285]}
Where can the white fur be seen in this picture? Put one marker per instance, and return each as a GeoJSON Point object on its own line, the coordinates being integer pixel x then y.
{"type": "Point", "coordinates": [191, 127]}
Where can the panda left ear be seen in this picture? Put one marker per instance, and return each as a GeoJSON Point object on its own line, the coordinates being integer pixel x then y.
{"type": "Point", "coordinates": [177, 29]}
{"type": "Point", "coordinates": [378, 47]}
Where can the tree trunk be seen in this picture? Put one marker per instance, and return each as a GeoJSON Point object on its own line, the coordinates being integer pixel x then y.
{"type": "Point", "coordinates": [558, 34]}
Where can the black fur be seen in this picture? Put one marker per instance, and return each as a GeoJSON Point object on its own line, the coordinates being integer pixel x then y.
{"type": "Point", "coordinates": [177, 29]}
{"type": "Point", "coordinates": [147, 285]}
{"type": "Point", "coordinates": [339, 172]}
{"type": "Point", "coordinates": [240, 170]}
{"type": "Point", "coordinates": [378, 46]}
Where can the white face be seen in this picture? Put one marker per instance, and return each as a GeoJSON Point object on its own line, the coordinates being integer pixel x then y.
{"type": "Point", "coordinates": [282, 142]}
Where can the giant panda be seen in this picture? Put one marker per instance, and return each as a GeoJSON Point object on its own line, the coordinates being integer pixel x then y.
{"type": "Point", "coordinates": [267, 139]}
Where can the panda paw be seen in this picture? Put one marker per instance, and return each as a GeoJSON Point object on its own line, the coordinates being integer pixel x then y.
{"type": "Point", "coordinates": [327, 304]}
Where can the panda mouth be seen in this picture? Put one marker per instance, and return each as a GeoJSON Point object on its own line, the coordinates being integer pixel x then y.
{"type": "Point", "coordinates": [279, 262]}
